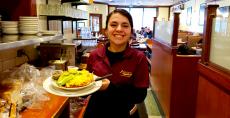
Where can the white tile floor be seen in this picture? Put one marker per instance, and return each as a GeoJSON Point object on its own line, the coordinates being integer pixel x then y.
{"type": "Point", "coordinates": [154, 116]}
{"type": "Point", "coordinates": [151, 106]}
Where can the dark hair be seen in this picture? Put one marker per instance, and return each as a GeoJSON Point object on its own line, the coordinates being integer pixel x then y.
{"type": "Point", "coordinates": [122, 12]}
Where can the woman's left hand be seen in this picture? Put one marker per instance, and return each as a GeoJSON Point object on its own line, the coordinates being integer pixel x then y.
{"type": "Point", "coordinates": [105, 84]}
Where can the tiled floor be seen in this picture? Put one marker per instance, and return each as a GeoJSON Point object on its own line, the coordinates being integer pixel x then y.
{"type": "Point", "coordinates": [155, 117]}
{"type": "Point", "coordinates": [151, 106]}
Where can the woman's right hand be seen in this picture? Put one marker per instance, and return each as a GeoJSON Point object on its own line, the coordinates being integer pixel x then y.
{"type": "Point", "coordinates": [105, 84]}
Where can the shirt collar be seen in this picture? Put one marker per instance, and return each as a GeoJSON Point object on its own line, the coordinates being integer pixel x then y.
{"type": "Point", "coordinates": [127, 53]}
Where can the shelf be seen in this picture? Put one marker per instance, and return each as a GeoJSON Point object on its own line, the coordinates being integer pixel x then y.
{"type": "Point", "coordinates": [64, 18]}
{"type": "Point", "coordinates": [7, 44]}
{"type": "Point", "coordinates": [77, 2]}
{"type": "Point", "coordinates": [65, 1]}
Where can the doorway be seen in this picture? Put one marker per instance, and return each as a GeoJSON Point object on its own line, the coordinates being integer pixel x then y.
{"type": "Point", "coordinates": [95, 23]}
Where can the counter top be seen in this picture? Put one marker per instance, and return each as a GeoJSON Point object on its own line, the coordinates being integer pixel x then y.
{"type": "Point", "coordinates": [51, 108]}
{"type": "Point", "coordinates": [13, 41]}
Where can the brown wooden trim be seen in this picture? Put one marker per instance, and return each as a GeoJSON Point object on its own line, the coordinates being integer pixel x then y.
{"type": "Point", "coordinates": [219, 67]}
{"type": "Point", "coordinates": [154, 25]}
{"type": "Point", "coordinates": [210, 13]}
{"type": "Point", "coordinates": [215, 76]}
{"type": "Point", "coordinates": [100, 20]}
{"type": "Point", "coordinates": [175, 29]}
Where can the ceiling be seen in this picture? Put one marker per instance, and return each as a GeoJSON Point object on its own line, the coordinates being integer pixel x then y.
{"type": "Point", "coordinates": [139, 2]}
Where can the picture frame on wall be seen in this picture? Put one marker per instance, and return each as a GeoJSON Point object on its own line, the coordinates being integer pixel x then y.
{"type": "Point", "coordinates": [80, 24]}
{"type": "Point", "coordinates": [201, 14]}
{"type": "Point", "coordinates": [189, 16]}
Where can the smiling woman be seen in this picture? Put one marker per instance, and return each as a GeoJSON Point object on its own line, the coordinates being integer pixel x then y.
{"type": "Point", "coordinates": [129, 68]}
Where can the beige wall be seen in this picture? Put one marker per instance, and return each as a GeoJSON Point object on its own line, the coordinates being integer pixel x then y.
{"type": "Point", "coordinates": [195, 4]}
{"type": "Point", "coordinates": [194, 27]}
{"type": "Point", "coordinates": [222, 3]}
{"type": "Point", "coordinates": [163, 13]}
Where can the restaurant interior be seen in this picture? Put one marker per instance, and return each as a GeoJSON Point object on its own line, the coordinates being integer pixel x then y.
{"type": "Point", "coordinates": [187, 53]}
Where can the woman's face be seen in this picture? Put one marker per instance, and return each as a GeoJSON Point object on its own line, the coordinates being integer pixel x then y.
{"type": "Point", "coordinates": [119, 30]}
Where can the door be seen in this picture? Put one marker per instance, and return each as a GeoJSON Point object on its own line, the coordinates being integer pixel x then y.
{"type": "Point", "coordinates": [95, 23]}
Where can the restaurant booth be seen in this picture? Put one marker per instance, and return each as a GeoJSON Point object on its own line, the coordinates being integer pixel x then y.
{"type": "Point", "coordinates": [213, 95]}
{"type": "Point", "coordinates": [174, 77]}
{"type": "Point", "coordinates": [192, 86]}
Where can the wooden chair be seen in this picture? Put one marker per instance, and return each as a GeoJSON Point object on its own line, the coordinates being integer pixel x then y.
{"type": "Point", "coordinates": [183, 36]}
{"type": "Point", "coordinates": [193, 40]}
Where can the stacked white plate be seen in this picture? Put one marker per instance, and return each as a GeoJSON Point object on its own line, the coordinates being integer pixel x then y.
{"type": "Point", "coordinates": [10, 38]}
{"type": "Point", "coordinates": [10, 27]}
{"type": "Point", "coordinates": [28, 24]}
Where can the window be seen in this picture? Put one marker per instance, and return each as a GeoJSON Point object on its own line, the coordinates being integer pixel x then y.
{"type": "Point", "coordinates": [189, 15]}
{"type": "Point", "coordinates": [127, 9]}
{"type": "Point", "coordinates": [149, 14]}
{"type": "Point", "coordinates": [142, 17]}
{"type": "Point", "coordinates": [137, 14]}
{"type": "Point", "coordinates": [201, 14]}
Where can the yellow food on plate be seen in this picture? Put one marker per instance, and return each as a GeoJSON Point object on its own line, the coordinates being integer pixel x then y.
{"type": "Point", "coordinates": [75, 78]}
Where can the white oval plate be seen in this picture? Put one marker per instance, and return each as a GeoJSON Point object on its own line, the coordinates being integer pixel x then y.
{"type": "Point", "coordinates": [28, 32]}
{"type": "Point", "coordinates": [47, 85]}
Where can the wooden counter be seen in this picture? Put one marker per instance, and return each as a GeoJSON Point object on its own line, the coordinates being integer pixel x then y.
{"type": "Point", "coordinates": [51, 108]}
